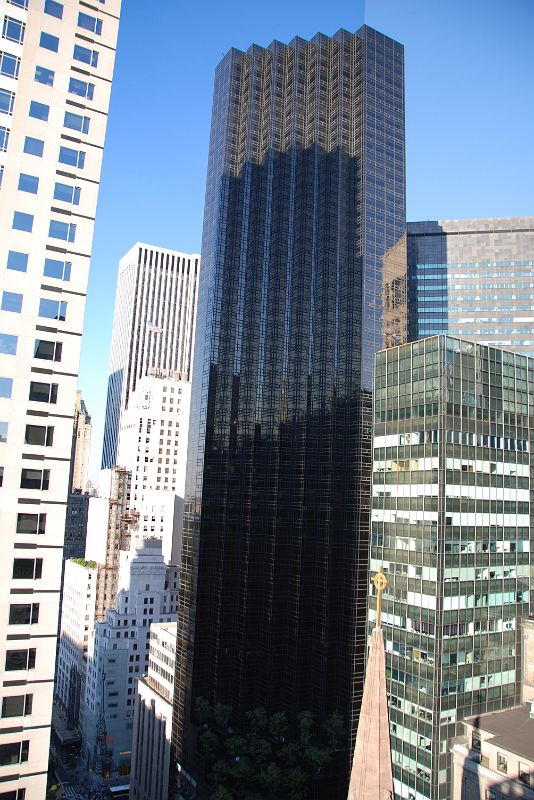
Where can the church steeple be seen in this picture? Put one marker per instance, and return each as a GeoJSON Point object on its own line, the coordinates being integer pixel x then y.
{"type": "Point", "coordinates": [372, 777]}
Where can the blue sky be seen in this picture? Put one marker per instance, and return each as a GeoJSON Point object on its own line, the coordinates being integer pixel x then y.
{"type": "Point", "coordinates": [469, 123]}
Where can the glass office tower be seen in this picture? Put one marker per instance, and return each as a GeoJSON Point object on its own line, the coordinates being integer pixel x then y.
{"type": "Point", "coordinates": [451, 526]}
{"type": "Point", "coordinates": [473, 277]}
{"type": "Point", "coordinates": [305, 201]}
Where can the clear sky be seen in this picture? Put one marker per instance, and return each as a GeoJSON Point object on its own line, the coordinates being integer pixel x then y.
{"type": "Point", "coordinates": [469, 123]}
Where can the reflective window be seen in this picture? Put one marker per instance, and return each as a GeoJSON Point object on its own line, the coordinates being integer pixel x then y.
{"type": "Point", "coordinates": [44, 75]}
{"type": "Point", "coordinates": [6, 387]}
{"type": "Point", "coordinates": [85, 55]}
{"type": "Point", "coordinates": [4, 427]}
{"type": "Point", "coordinates": [48, 351]}
{"type": "Point", "coordinates": [43, 392]}
{"type": "Point", "coordinates": [76, 122]}
{"type": "Point", "coordinates": [31, 523]}
{"type": "Point", "coordinates": [4, 138]}
{"type": "Point", "coordinates": [28, 183]}
{"type": "Point", "coordinates": [57, 269]}
{"type": "Point", "coordinates": [62, 230]}
{"type": "Point", "coordinates": [49, 42]}
{"type": "Point", "coordinates": [13, 30]}
{"type": "Point", "coordinates": [7, 101]}
{"type": "Point", "coordinates": [9, 65]}
{"type": "Point", "coordinates": [90, 23]}
{"type": "Point", "coordinates": [69, 194]}
{"type": "Point", "coordinates": [34, 478]}
{"type": "Point", "coordinates": [34, 147]}
{"type": "Point", "coordinates": [81, 88]}
{"type": "Point", "coordinates": [40, 435]}
{"type": "Point", "coordinates": [74, 158]}
{"type": "Point", "coordinates": [39, 110]}
{"type": "Point", "coordinates": [22, 222]}
{"type": "Point", "coordinates": [20, 659]}
{"type": "Point", "coordinates": [11, 301]}
{"type": "Point", "coordinates": [53, 8]}
{"type": "Point", "coordinates": [8, 344]}
{"type": "Point", "coordinates": [15, 752]}
{"type": "Point", "coordinates": [19, 705]}
{"type": "Point", "coordinates": [17, 261]}
{"type": "Point", "coordinates": [52, 309]}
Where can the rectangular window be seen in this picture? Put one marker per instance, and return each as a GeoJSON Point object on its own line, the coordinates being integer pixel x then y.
{"type": "Point", "coordinates": [8, 344]}
{"type": "Point", "coordinates": [74, 158]}
{"type": "Point", "coordinates": [20, 659]}
{"type": "Point", "coordinates": [19, 705]}
{"type": "Point", "coordinates": [34, 147]}
{"type": "Point", "coordinates": [43, 392]}
{"type": "Point", "coordinates": [524, 774]}
{"type": "Point", "coordinates": [6, 387]}
{"type": "Point", "coordinates": [27, 569]}
{"type": "Point", "coordinates": [4, 138]}
{"type": "Point", "coordinates": [9, 65]}
{"type": "Point", "coordinates": [11, 301]}
{"type": "Point", "coordinates": [85, 55]}
{"type": "Point", "coordinates": [52, 309]}
{"type": "Point", "coordinates": [44, 75]}
{"type": "Point", "coordinates": [13, 30]}
{"type": "Point", "coordinates": [7, 101]}
{"type": "Point", "coordinates": [19, 3]}
{"type": "Point", "coordinates": [76, 122]}
{"type": "Point", "coordinates": [4, 427]}
{"type": "Point", "coordinates": [57, 269]}
{"type": "Point", "coordinates": [23, 613]}
{"type": "Point", "coordinates": [53, 8]}
{"type": "Point", "coordinates": [81, 88]}
{"type": "Point", "coordinates": [39, 435]}
{"type": "Point", "coordinates": [14, 753]}
{"type": "Point", "coordinates": [31, 523]}
{"type": "Point", "coordinates": [90, 23]}
{"type": "Point", "coordinates": [1, 476]}
{"type": "Point", "coordinates": [502, 762]}
{"type": "Point", "coordinates": [62, 230]}
{"type": "Point", "coordinates": [69, 194]}
{"type": "Point", "coordinates": [22, 222]}
{"type": "Point", "coordinates": [39, 110]}
{"type": "Point", "coordinates": [49, 42]}
{"type": "Point", "coordinates": [35, 479]}
{"type": "Point", "coordinates": [28, 183]}
{"type": "Point", "coordinates": [48, 351]}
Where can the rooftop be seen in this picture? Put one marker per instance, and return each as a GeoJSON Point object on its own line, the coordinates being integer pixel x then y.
{"type": "Point", "coordinates": [512, 729]}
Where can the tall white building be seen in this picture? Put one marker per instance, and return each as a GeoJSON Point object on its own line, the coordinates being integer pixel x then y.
{"type": "Point", "coordinates": [153, 328]}
{"type": "Point", "coordinates": [153, 446]}
{"type": "Point", "coordinates": [119, 651]}
{"type": "Point", "coordinates": [56, 66]}
{"type": "Point", "coordinates": [81, 441]}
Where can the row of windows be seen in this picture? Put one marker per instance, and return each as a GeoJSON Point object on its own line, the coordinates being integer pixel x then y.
{"type": "Point", "coordinates": [39, 392]}
{"type": "Point", "coordinates": [53, 267]}
{"type": "Point", "coordinates": [62, 191]}
{"type": "Point", "coordinates": [43, 348]}
{"type": "Point", "coordinates": [49, 309]}
{"type": "Point", "coordinates": [42, 435]}
{"type": "Point", "coordinates": [66, 231]}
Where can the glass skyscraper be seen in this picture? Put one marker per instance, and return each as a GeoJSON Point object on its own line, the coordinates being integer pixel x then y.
{"type": "Point", "coordinates": [473, 277]}
{"type": "Point", "coordinates": [303, 265]}
{"type": "Point", "coordinates": [451, 526]}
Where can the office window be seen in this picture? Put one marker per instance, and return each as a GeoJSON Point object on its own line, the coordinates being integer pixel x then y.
{"type": "Point", "coordinates": [76, 122]}
{"type": "Point", "coordinates": [69, 194]}
{"type": "Point", "coordinates": [44, 75]}
{"type": "Point", "coordinates": [9, 65]}
{"type": "Point", "coordinates": [14, 752]}
{"type": "Point", "coordinates": [54, 9]}
{"type": "Point", "coordinates": [39, 110]}
{"type": "Point", "coordinates": [90, 23]}
{"type": "Point", "coordinates": [49, 42]}
{"type": "Point", "coordinates": [62, 230]}
{"type": "Point", "coordinates": [28, 183]}
{"type": "Point", "coordinates": [34, 147]}
{"type": "Point", "coordinates": [4, 427]}
{"type": "Point", "coordinates": [524, 774]}
{"type": "Point", "coordinates": [17, 261]}
{"type": "Point", "coordinates": [8, 344]}
{"type": "Point", "coordinates": [85, 55]}
{"type": "Point", "coordinates": [20, 659]}
{"type": "Point", "coordinates": [6, 387]}
{"type": "Point", "coordinates": [48, 351]}
{"type": "Point", "coordinates": [502, 762]}
{"type": "Point", "coordinates": [74, 158]}
{"type": "Point", "coordinates": [13, 30]}
{"type": "Point", "coordinates": [31, 523]}
{"type": "Point", "coordinates": [19, 3]}
{"type": "Point", "coordinates": [42, 435]}
{"type": "Point", "coordinates": [4, 138]}
{"type": "Point", "coordinates": [52, 309]}
{"type": "Point", "coordinates": [27, 569]}
{"type": "Point", "coordinates": [7, 101]}
{"type": "Point", "coordinates": [81, 88]}
{"type": "Point", "coordinates": [11, 301]}
{"type": "Point", "coordinates": [22, 222]}
{"type": "Point", "coordinates": [23, 613]}
{"type": "Point", "coordinates": [35, 479]}
{"type": "Point", "coordinates": [19, 705]}
{"type": "Point", "coordinates": [57, 269]}
{"type": "Point", "coordinates": [43, 392]}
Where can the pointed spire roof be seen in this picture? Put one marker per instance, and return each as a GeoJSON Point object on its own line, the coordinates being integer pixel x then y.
{"type": "Point", "coordinates": [372, 777]}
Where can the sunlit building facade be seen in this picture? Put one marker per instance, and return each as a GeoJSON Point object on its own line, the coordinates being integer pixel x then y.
{"type": "Point", "coordinates": [451, 526]}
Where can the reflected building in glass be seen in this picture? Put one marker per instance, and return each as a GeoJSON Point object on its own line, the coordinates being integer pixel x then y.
{"type": "Point", "coordinates": [451, 519]}
{"type": "Point", "coordinates": [304, 233]}
{"type": "Point", "coordinates": [473, 278]}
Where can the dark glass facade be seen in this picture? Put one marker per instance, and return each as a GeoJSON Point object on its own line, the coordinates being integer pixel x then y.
{"type": "Point", "coordinates": [304, 245]}
{"type": "Point", "coordinates": [451, 526]}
